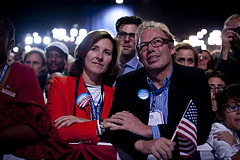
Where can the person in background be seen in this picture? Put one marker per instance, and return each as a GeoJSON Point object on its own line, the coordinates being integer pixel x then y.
{"type": "Point", "coordinates": [215, 55]}
{"type": "Point", "coordinates": [205, 60]}
{"type": "Point", "coordinates": [224, 135]}
{"type": "Point", "coordinates": [186, 55]}
{"type": "Point", "coordinates": [36, 58]}
{"type": "Point", "coordinates": [216, 80]}
{"type": "Point", "coordinates": [48, 82]}
{"type": "Point", "coordinates": [229, 60]}
{"type": "Point", "coordinates": [149, 102]}
{"type": "Point", "coordinates": [49, 79]}
{"type": "Point", "coordinates": [126, 28]}
{"type": "Point", "coordinates": [78, 103]}
{"type": "Point", "coordinates": [57, 57]}
{"type": "Point", "coordinates": [69, 62]}
{"type": "Point", "coordinates": [56, 61]}
{"type": "Point", "coordinates": [18, 56]}
{"type": "Point", "coordinates": [25, 126]}
{"type": "Point", "coordinates": [11, 56]}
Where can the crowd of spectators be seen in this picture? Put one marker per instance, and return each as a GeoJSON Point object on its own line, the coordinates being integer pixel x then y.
{"type": "Point", "coordinates": [128, 91]}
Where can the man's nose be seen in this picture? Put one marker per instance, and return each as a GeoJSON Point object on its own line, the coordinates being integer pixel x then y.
{"type": "Point", "coordinates": [53, 58]}
{"type": "Point", "coordinates": [127, 38]}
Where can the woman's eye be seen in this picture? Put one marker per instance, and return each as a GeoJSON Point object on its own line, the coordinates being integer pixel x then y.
{"type": "Point", "coordinates": [94, 48]}
{"type": "Point", "coordinates": [181, 60]}
{"type": "Point", "coordinates": [108, 53]}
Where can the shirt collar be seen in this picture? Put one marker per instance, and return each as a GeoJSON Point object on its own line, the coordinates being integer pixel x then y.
{"type": "Point", "coordinates": [133, 63]}
{"type": "Point", "coordinates": [166, 82]}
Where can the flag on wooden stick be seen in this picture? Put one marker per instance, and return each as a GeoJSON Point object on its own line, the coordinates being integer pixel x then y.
{"type": "Point", "coordinates": [187, 131]}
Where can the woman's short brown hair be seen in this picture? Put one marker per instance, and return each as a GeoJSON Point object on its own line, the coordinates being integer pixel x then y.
{"type": "Point", "coordinates": [183, 45]}
{"type": "Point", "coordinates": [81, 51]}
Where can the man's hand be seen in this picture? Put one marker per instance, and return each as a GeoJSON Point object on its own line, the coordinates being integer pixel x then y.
{"type": "Point", "coordinates": [127, 121]}
{"type": "Point", "coordinates": [160, 148]}
{"type": "Point", "coordinates": [227, 37]}
{"type": "Point", "coordinates": [236, 37]}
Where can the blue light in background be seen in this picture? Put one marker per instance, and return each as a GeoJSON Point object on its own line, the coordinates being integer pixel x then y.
{"type": "Point", "coordinates": [105, 17]}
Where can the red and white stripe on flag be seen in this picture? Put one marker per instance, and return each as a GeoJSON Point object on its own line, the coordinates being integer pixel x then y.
{"type": "Point", "coordinates": [187, 132]}
{"type": "Point", "coordinates": [85, 101]}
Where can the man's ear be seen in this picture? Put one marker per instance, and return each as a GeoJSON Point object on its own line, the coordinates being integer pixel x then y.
{"type": "Point", "coordinates": [140, 59]}
{"type": "Point", "coordinates": [173, 50]}
{"type": "Point", "coordinates": [11, 44]}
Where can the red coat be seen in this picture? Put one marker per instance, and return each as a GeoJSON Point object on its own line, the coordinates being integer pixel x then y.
{"type": "Point", "coordinates": [61, 101]}
{"type": "Point", "coordinates": [21, 102]}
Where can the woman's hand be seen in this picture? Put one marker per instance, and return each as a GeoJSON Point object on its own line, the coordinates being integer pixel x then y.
{"type": "Point", "coordinates": [67, 121]}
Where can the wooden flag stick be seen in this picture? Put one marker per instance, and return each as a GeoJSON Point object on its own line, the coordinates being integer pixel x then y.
{"type": "Point", "coordinates": [180, 121]}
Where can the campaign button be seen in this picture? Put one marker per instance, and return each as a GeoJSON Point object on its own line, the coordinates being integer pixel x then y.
{"type": "Point", "coordinates": [143, 94]}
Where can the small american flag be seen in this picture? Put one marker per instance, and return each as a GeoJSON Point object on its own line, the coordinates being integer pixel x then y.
{"type": "Point", "coordinates": [187, 132]}
{"type": "Point", "coordinates": [83, 100]}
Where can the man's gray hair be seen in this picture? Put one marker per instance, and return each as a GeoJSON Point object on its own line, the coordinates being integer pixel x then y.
{"type": "Point", "coordinates": [153, 24]}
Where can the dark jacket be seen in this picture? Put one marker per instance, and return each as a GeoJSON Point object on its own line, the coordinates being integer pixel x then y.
{"type": "Point", "coordinates": [229, 67]}
{"type": "Point", "coordinates": [186, 83]}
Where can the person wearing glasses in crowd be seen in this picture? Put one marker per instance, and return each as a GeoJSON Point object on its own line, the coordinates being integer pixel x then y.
{"type": "Point", "coordinates": [126, 28]}
{"type": "Point", "coordinates": [224, 135]}
{"type": "Point", "coordinates": [149, 102]}
{"type": "Point", "coordinates": [205, 60]}
{"type": "Point", "coordinates": [229, 59]}
{"type": "Point", "coordinates": [216, 80]}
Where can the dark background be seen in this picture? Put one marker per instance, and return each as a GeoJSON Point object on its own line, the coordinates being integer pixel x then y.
{"type": "Point", "coordinates": [182, 17]}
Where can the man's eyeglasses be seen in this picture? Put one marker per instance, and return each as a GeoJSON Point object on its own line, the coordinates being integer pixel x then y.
{"type": "Point", "coordinates": [122, 35]}
{"type": "Point", "coordinates": [232, 107]}
{"type": "Point", "coordinates": [156, 42]}
{"type": "Point", "coordinates": [212, 88]}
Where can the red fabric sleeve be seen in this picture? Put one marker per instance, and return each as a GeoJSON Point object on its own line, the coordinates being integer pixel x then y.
{"type": "Point", "coordinates": [23, 81]}
{"type": "Point", "coordinates": [27, 107]}
{"type": "Point", "coordinates": [61, 101]}
{"type": "Point", "coordinates": [50, 145]}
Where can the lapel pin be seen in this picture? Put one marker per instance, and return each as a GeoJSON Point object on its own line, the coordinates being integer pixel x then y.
{"type": "Point", "coordinates": [143, 94]}
{"type": "Point", "coordinates": [83, 100]}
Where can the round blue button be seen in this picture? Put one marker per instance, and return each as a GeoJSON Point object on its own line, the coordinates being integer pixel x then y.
{"type": "Point", "coordinates": [143, 94]}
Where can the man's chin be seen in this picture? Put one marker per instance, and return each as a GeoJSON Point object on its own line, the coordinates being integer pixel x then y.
{"type": "Point", "coordinates": [128, 53]}
{"type": "Point", "coordinates": [53, 70]}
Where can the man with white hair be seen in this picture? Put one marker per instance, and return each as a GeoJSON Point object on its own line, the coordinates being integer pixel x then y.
{"type": "Point", "coordinates": [149, 103]}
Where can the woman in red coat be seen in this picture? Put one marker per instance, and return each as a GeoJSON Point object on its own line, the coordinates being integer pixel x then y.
{"type": "Point", "coordinates": [78, 103]}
